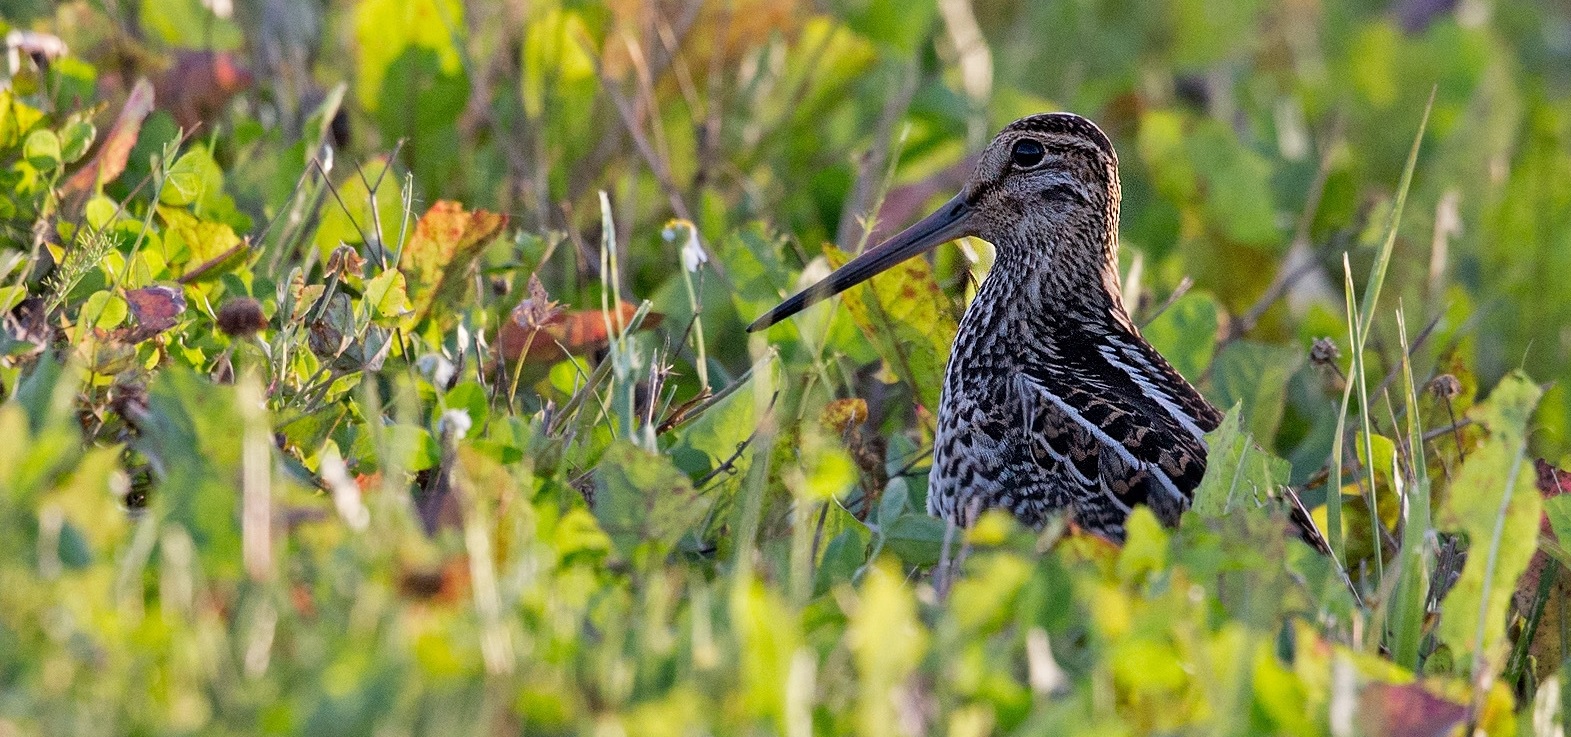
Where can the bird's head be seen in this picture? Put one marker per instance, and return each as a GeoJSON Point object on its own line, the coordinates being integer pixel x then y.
{"type": "Point", "coordinates": [1044, 192]}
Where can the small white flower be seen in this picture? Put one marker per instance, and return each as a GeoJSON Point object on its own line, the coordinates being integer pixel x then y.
{"type": "Point", "coordinates": [222, 8]}
{"type": "Point", "coordinates": [436, 369]}
{"type": "Point", "coordinates": [346, 494]}
{"type": "Point", "coordinates": [455, 421]}
{"type": "Point", "coordinates": [693, 254]}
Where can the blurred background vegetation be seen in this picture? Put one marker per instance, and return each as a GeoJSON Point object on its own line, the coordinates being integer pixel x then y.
{"type": "Point", "coordinates": [378, 367]}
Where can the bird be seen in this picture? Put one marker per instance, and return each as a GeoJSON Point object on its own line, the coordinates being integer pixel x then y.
{"type": "Point", "coordinates": [1052, 401]}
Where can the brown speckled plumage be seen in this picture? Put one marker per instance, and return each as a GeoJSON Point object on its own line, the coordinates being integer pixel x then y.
{"type": "Point", "coordinates": [1052, 401]}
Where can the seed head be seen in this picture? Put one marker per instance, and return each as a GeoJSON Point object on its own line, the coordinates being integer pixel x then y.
{"type": "Point", "coordinates": [1446, 386]}
{"type": "Point", "coordinates": [241, 317]}
{"type": "Point", "coordinates": [1324, 352]}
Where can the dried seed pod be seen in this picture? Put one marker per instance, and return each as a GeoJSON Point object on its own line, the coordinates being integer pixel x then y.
{"type": "Point", "coordinates": [1446, 386]}
{"type": "Point", "coordinates": [1324, 352]}
{"type": "Point", "coordinates": [241, 317]}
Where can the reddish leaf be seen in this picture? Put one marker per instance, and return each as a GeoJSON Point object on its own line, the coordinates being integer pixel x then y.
{"type": "Point", "coordinates": [445, 244]}
{"type": "Point", "coordinates": [156, 308]}
{"type": "Point", "coordinates": [1407, 711]}
{"type": "Point", "coordinates": [1545, 646]}
{"type": "Point", "coordinates": [579, 331]}
{"type": "Point", "coordinates": [200, 84]}
{"type": "Point", "coordinates": [109, 163]}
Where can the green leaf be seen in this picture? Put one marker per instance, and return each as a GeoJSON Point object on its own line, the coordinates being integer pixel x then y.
{"type": "Point", "coordinates": [191, 429]}
{"type": "Point", "coordinates": [11, 296]}
{"type": "Point", "coordinates": [1492, 500]}
{"type": "Point", "coordinates": [1558, 510]}
{"type": "Point", "coordinates": [1236, 470]}
{"type": "Point", "coordinates": [1186, 333]}
{"type": "Point", "coordinates": [1256, 375]}
{"type": "Point", "coordinates": [908, 319]}
{"type": "Point", "coordinates": [410, 77]}
{"type": "Point", "coordinates": [42, 150]}
{"type": "Point", "coordinates": [471, 398]}
{"type": "Point", "coordinates": [916, 537]}
{"type": "Point", "coordinates": [900, 25]}
{"type": "Point", "coordinates": [100, 211]}
{"type": "Point", "coordinates": [1145, 545]}
{"type": "Point", "coordinates": [204, 241]}
{"type": "Point", "coordinates": [1238, 194]}
{"type": "Point", "coordinates": [194, 179]}
{"type": "Point", "coordinates": [386, 294]}
{"type": "Point", "coordinates": [350, 221]}
{"type": "Point", "coordinates": [75, 139]}
{"type": "Point", "coordinates": [640, 498]}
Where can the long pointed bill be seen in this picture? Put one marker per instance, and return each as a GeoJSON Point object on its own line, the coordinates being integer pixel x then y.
{"type": "Point", "coordinates": [950, 222]}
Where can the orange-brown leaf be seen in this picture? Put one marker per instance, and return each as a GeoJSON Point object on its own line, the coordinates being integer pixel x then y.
{"type": "Point", "coordinates": [445, 244]}
{"type": "Point", "coordinates": [579, 331]}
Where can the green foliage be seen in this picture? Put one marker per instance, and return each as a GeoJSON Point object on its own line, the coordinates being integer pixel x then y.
{"type": "Point", "coordinates": [277, 460]}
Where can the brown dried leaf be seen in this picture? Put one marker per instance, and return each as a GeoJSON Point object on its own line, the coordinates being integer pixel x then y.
{"type": "Point", "coordinates": [345, 261]}
{"type": "Point", "coordinates": [1545, 647]}
{"type": "Point", "coordinates": [580, 331]}
{"type": "Point", "coordinates": [156, 308]}
{"type": "Point", "coordinates": [538, 309]}
{"type": "Point", "coordinates": [109, 163]}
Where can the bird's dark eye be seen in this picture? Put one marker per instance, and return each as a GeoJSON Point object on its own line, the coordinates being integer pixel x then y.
{"type": "Point", "coordinates": [1027, 153]}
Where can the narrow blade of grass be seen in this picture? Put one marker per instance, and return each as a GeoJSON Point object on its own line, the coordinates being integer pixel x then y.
{"type": "Point", "coordinates": [1405, 616]}
{"type": "Point", "coordinates": [1363, 320]}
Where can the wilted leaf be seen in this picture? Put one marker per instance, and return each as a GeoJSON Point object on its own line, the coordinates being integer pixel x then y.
{"type": "Point", "coordinates": [440, 252]}
{"type": "Point", "coordinates": [109, 163]}
{"type": "Point", "coordinates": [1554, 486]}
{"type": "Point", "coordinates": [907, 317]}
{"type": "Point", "coordinates": [156, 308]}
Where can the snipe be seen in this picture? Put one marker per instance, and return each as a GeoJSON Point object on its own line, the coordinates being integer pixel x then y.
{"type": "Point", "coordinates": [1052, 401]}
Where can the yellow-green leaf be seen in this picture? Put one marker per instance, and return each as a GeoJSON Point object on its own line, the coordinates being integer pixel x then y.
{"type": "Point", "coordinates": [908, 319]}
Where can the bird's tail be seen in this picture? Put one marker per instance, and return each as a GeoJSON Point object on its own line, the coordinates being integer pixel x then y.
{"type": "Point", "coordinates": [1304, 525]}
